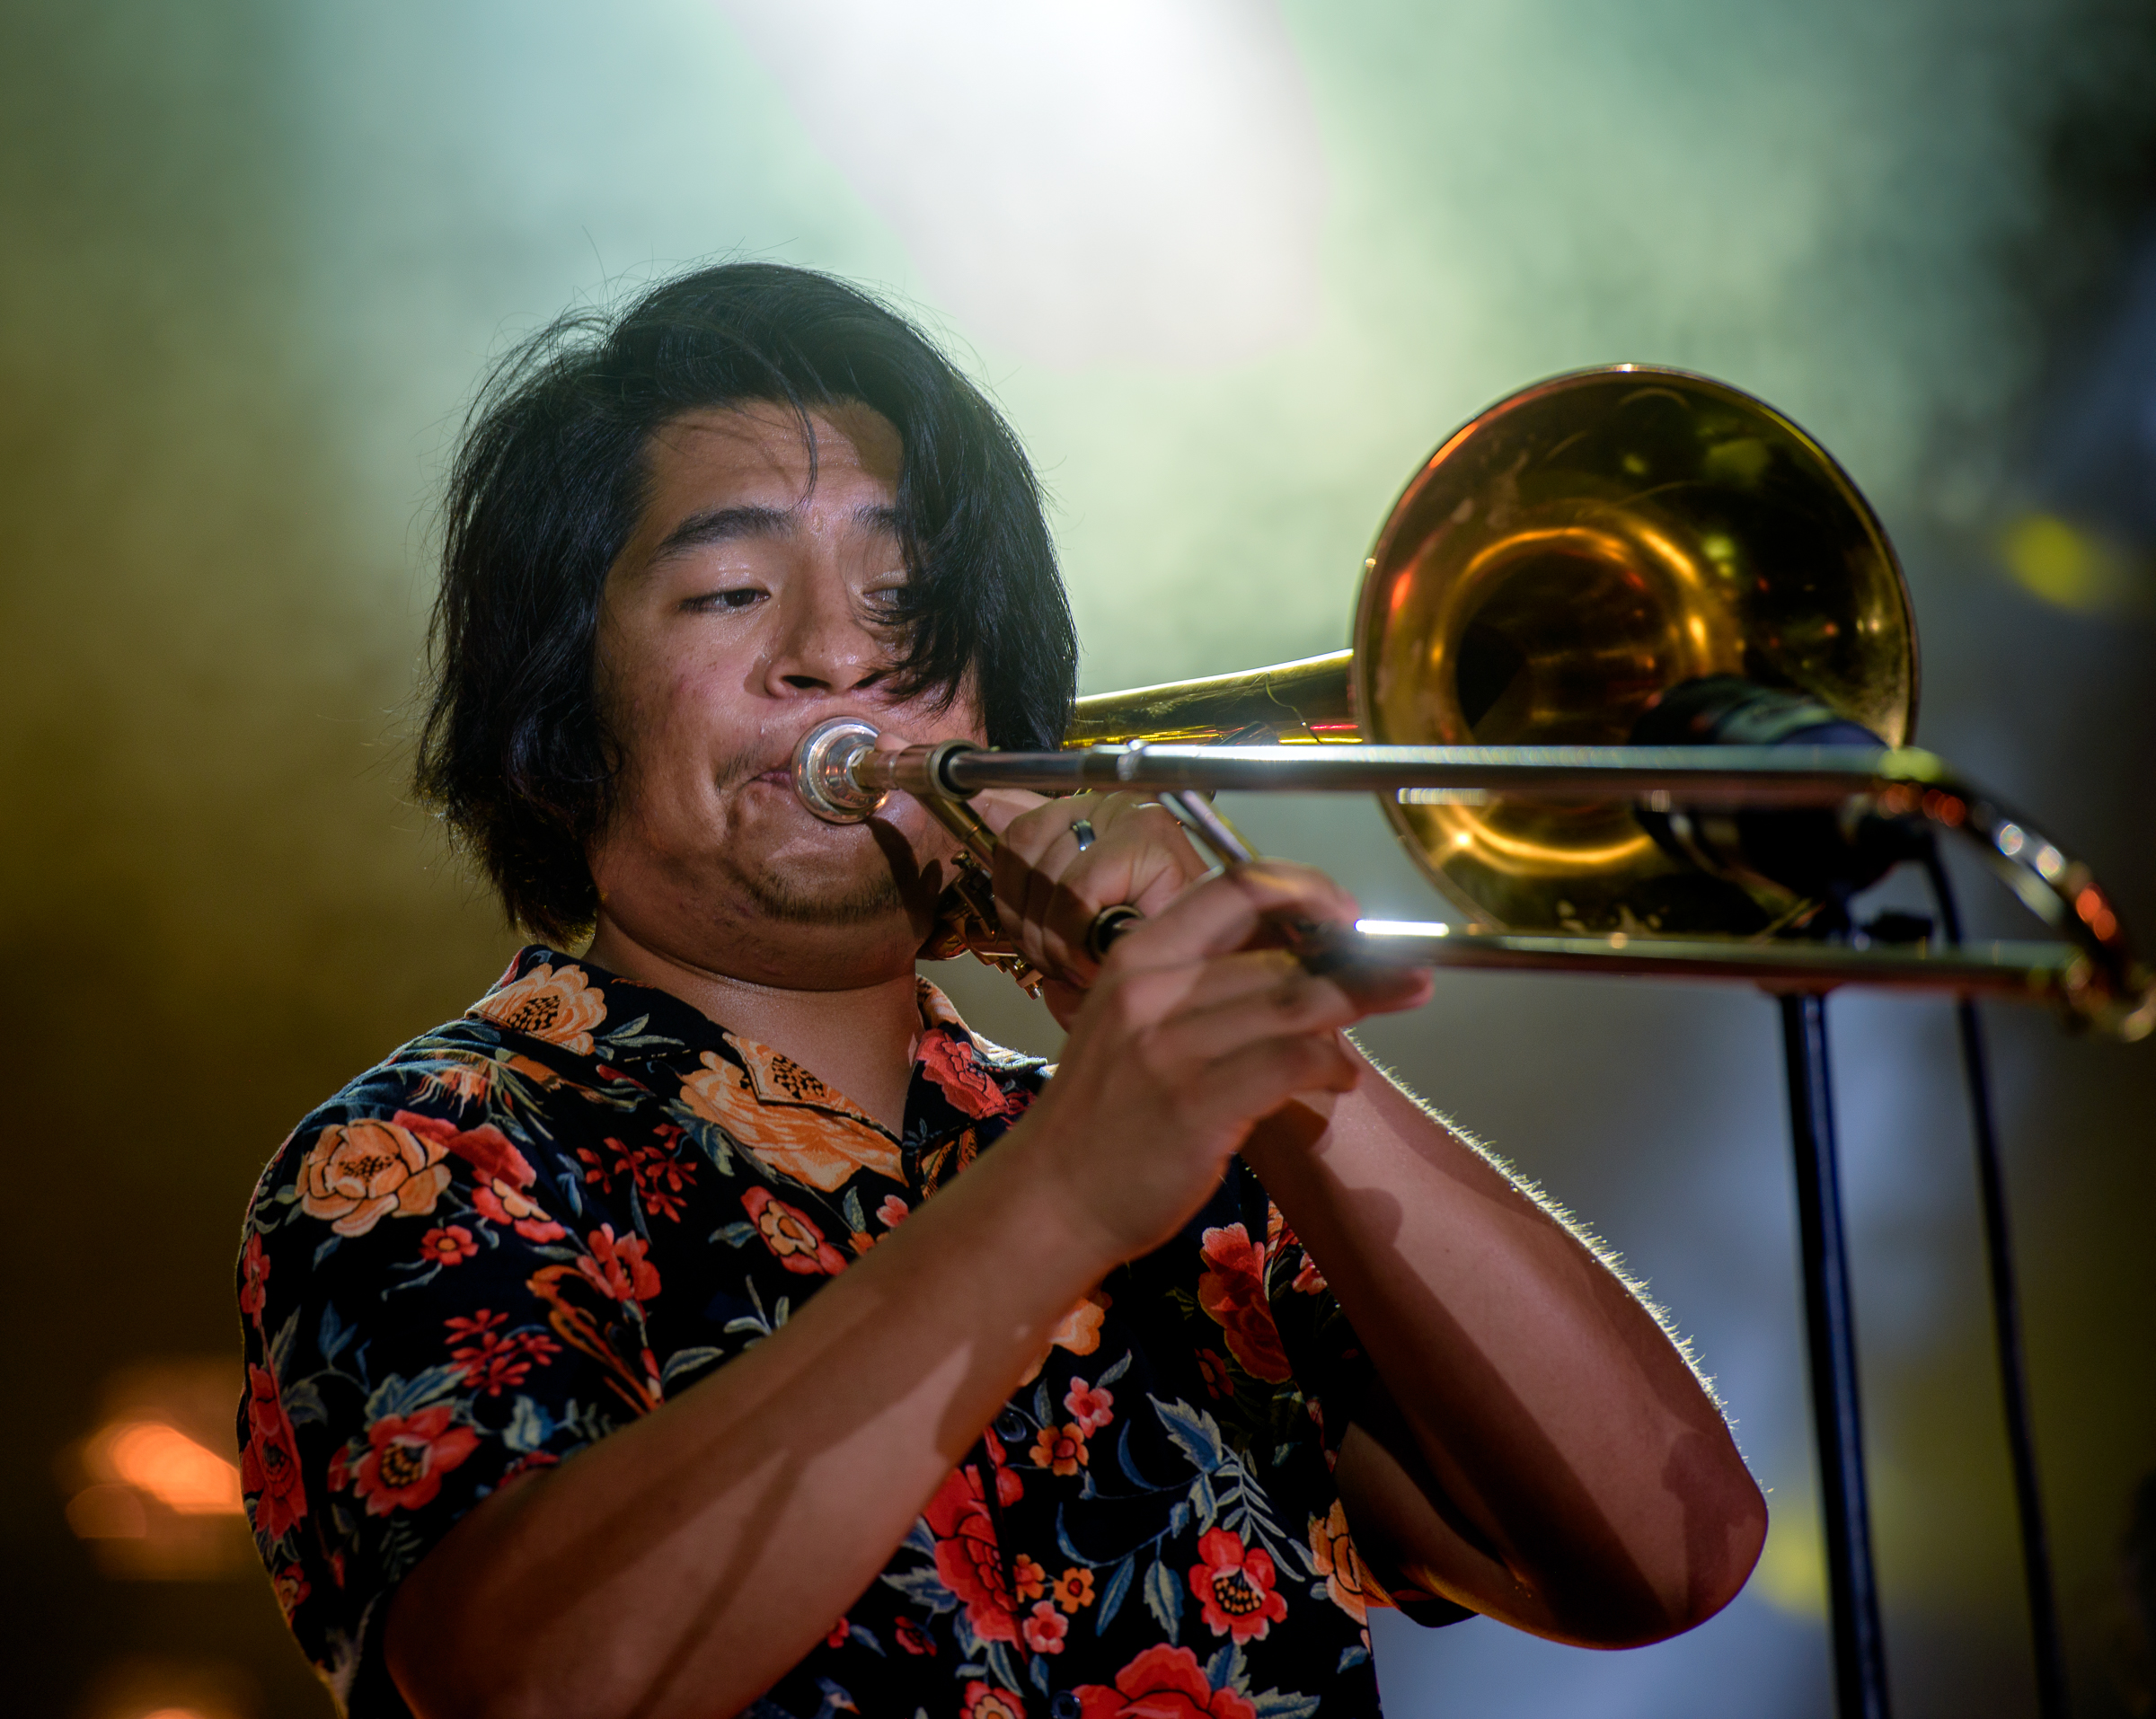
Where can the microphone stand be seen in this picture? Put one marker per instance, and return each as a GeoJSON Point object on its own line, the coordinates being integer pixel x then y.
{"type": "Point", "coordinates": [1830, 1327]}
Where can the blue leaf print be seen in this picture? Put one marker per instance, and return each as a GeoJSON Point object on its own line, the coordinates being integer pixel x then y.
{"type": "Point", "coordinates": [1195, 1430]}
{"type": "Point", "coordinates": [1165, 1598]}
{"type": "Point", "coordinates": [1111, 1596]}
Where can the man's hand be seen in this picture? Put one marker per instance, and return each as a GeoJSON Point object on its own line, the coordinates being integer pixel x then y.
{"type": "Point", "coordinates": [1049, 887]}
{"type": "Point", "coordinates": [1191, 1034]}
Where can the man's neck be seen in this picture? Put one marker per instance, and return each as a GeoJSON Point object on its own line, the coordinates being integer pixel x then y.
{"type": "Point", "coordinates": [859, 1042]}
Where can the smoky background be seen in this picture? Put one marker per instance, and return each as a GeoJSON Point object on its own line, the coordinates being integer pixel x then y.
{"type": "Point", "coordinates": [1231, 269]}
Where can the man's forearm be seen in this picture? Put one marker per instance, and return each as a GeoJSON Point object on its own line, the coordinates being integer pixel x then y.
{"type": "Point", "coordinates": [1577, 1476]}
{"type": "Point", "coordinates": [668, 1567]}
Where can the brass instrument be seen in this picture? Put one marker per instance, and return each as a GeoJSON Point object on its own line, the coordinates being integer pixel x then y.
{"type": "Point", "coordinates": [1556, 568]}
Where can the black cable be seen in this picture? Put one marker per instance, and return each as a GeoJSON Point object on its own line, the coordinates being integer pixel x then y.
{"type": "Point", "coordinates": [2006, 1329]}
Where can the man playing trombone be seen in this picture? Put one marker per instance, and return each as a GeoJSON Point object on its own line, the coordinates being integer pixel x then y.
{"type": "Point", "coordinates": [709, 1320]}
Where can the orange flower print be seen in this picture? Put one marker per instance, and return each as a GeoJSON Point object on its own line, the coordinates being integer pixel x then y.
{"type": "Point", "coordinates": [561, 1008]}
{"type": "Point", "coordinates": [407, 1455]}
{"type": "Point", "coordinates": [1043, 1631]}
{"type": "Point", "coordinates": [254, 1273]}
{"type": "Point", "coordinates": [1213, 1368]}
{"type": "Point", "coordinates": [358, 1173]}
{"type": "Point", "coordinates": [1232, 1292]}
{"type": "Point", "coordinates": [1060, 1452]}
{"type": "Point", "coordinates": [1333, 1555]}
{"type": "Point", "coordinates": [448, 1245]}
{"type": "Point", "coordinates": [791, 1121]}
{"type": "Point", "coordinates": [617, 1267]}
{"type": "Point", "coordinates": [269, 1462]}
{"type": "Point", "coordinates": [953, 1064]}
{"type": "Point", "coordinates": [986, 1701]}
{"type": "Point", "coordinates": [1073, 1588]}
{"type": "Point", "coordinates": [892, 1211]}
{"type": "Point", "coordinates": [1094, 1407]}
{"type": "Point", "coordinates": [791, 1236]}
{"type": "Point", "coordinates": [1234, 1586]}
{"type": "Point", "coordinates": [1078, 1331]}
{"type": "Point", "coordinates": [1028, 1580]}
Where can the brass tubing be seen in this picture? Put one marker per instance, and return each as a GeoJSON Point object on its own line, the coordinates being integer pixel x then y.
{"type": "Point", "coordinates": [1720, 775]}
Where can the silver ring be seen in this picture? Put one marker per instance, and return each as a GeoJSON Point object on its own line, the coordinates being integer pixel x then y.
{"type": "Point", "coordinates": [1083, 831]}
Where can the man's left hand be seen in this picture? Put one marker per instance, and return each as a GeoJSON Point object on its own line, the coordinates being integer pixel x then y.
{"type": "Point", "coordinates": [1064, 860]}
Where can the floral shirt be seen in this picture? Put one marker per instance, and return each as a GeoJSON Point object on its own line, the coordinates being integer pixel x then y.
{"type": "Point", "coordinates": [529, 1226]}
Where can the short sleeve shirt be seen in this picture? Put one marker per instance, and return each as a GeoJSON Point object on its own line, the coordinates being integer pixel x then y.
{"type": "Point", "coordinates": [525, 1229]}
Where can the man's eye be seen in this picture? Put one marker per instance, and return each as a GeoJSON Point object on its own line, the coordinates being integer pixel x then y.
{"type": "Point", "coordinates": [742, 597]}
{"type": "Point", "coordinates": [884, 599]}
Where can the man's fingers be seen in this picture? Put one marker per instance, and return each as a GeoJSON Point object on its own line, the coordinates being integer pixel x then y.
{"type": "Point", "coordinates": [1259, 1079]}
{"type": "Point", "coordinates": [1050, 883]}
{"type": "Point", "coordinates": [1224, 913]}
{"type": "Point", "coordinates": [1232, 1001]}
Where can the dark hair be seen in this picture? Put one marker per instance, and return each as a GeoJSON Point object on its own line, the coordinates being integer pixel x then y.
{"type": "Point", "coordinates": [547, 484]}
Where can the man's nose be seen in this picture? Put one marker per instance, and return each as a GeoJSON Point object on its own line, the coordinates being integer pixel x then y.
{"type": "Point", "coordinates": [822, 643]}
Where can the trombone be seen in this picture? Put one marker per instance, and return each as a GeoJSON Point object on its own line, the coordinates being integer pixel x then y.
{"type": "Point", "coordinates": [1633, 679]}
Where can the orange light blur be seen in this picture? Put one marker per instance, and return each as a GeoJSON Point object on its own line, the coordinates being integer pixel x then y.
{"type": "Point", "coordinates": [171, 1467]}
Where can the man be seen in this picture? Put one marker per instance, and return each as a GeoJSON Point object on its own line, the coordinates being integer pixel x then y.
{"type": "Point", "coordinates": [711, 1321]}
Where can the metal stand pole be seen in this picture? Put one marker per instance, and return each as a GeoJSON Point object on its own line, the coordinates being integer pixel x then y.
{"type": "Point", "coordinates": [1860, 1645]}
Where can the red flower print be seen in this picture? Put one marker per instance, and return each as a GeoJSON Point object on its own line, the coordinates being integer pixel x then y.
{"type": "Point", "coordinates": [659, 1176]}
{"type": "Point", "coordinates": [839, 1632]}
{"type": "Point", "coordinates": [913, 1638]}
{"type": "Point", "coordinates": [890, 1212]}
{"type": "Point", "coordinates": [986, 1701]}
{"type": "Point", "coordinates": [617, 1267]}
{"type": "Point", "coordinates": [450, 1244]}
{"type": "Point", "coordinates": [954, 1065]}
{"type": "Point", "coordinates": [407, 1455]}
{"type": "Point", "coordinates": [1094, 1407]}
{"type": "Point", "coordinates": [1063, 1453]}
{"type": "Point", "coordinates": [1235, 1587]}
{"type": "Point", "coordinates": [1073, 1588]}
{"type": "Point", "coordinates": [1162, 1683]}
{"type": "Point", "coordinates": [1232, 1292]}
{"type": "Point", "coordinates": [498, 1200]}
{"type": "Point", "coordinates": [1009, 1487]}
{"type": "Point", "coordinates": [967, 1557]}
{"type": "Point", "coordinates": [254, 1272]}
{"type": "Point", "coordinates": [270, 1465]}
{"type": "Point", "coordinates": [290, 1587]}
{"type": "Point", "coordinates": [1043, 1631]}
{"type": "Point", "coordinates": [492, 1360]}
{"type": "Point", "coordinates": [500, 1173]}
{"type": "Point", "coordinates": [1213, 1368]}
{"type": "Point", "coordinates": [791, 1236]}
{"type": "Point", "coordinates": [1028, 1577]}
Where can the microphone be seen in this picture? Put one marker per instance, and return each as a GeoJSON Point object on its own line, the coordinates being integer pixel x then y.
{"type": "Point", "coordinates": [1817, 853]}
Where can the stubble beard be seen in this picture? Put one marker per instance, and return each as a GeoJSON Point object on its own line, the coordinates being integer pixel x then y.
{"type": "Point", "coordinates": [789, 899]}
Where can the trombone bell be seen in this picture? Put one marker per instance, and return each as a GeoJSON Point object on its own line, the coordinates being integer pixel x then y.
{"type": "Point", "coordinates": [1559, 563]}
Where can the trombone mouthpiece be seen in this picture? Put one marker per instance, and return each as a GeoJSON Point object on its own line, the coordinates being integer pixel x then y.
{"type": "Point", "coordinates": [823, 771]}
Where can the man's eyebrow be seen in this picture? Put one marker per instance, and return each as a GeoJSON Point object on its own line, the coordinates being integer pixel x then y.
{"type": "Point", "coordinates": [731, 525]}
{"type": "Point", "coordinates": [724, 525]}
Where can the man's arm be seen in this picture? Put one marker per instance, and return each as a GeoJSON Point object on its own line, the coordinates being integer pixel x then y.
{"type": "Point", "coordinates": [1541, 1450]}
{"type": "Point", "coordinates": [684, 1563]}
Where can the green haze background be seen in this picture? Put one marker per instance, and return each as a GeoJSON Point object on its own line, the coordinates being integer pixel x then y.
{"type": "Point", "coordinates": [1231, 269]}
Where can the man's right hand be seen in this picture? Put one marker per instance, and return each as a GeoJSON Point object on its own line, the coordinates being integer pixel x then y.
{"type": "Point", "coordinates": [1194, 1031]}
